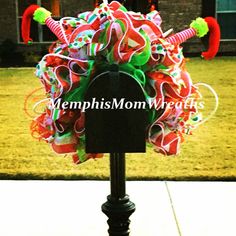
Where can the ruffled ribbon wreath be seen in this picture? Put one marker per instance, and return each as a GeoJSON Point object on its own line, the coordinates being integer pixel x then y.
{"type": "Point", "coordinates": [111, 34]}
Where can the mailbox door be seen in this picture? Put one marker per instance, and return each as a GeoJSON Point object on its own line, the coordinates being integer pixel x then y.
{"type": "Point", "coordinates": [115, 128]}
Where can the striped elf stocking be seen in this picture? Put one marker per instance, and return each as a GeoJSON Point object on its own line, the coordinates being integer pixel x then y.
{"type": "Point", "coordinates": [182, 36]}
{"type": "Point", "coordinates": [55, 28]}
{"type": "Point", "coordinates": [200, 27]}
{"type": "Point", "coordinates": [42, 16]}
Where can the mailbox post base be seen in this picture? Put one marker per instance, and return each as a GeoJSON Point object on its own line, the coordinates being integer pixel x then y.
{"type": "Point", "coordinates": [118, 212]}
{"type": "Point", "coordinates": [118, 207]}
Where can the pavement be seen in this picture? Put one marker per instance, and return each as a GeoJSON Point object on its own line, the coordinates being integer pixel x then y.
{"type": "Point", "coordinates": [73, 208]}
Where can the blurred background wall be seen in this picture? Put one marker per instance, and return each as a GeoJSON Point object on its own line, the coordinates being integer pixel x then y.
{"type": "Point", "coordinates": [175, 14]}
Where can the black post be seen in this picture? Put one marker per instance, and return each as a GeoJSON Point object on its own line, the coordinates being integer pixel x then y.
{"type": "Point", "coordinates": [118, 207]}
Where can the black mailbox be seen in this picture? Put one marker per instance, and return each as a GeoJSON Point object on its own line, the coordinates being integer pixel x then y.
{"type": "Point", "coordinates": [116, 120]}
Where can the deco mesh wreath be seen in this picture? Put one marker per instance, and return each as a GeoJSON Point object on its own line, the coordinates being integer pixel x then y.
{"type": "Point", "coordinates": [136, 43]}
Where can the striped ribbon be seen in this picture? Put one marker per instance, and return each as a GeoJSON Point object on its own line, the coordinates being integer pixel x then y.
{"type": "Point", "coordinates": [165, 141]}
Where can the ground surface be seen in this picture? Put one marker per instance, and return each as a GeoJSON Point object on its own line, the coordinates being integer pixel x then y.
{"type": "Point", "coordinates": [163, 208]}
{"type": "Point", "coordinates": [209, 154]}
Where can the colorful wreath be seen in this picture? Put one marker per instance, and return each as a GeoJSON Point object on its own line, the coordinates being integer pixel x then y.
{"type": "Point", "coordinates": [111, 34]}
